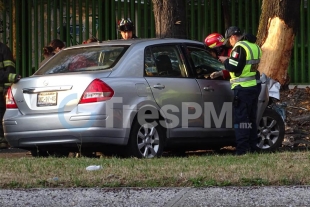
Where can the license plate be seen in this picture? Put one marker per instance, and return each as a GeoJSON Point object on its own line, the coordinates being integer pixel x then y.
{"type": "Point", "coordinates": [47, 99]}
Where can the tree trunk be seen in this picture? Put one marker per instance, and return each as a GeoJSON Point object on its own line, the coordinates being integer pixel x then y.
{"type": "Point", "coordinates": [278, 25]}
{"type": "Point", "coordinates": [170, 18]}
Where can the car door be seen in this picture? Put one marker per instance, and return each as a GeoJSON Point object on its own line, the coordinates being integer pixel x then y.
{"type": "Point", "coordinates": [178, 96]}
{"type": "Point", "coordinates": [216, 93]}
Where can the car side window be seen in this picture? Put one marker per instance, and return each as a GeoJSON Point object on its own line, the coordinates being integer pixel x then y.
{"type": "Point", "coordinates": [204, 64]}
{"type": "Point", "coordinates": [163, 61]}
{"type": "Point", "coordinates": [149, 64]}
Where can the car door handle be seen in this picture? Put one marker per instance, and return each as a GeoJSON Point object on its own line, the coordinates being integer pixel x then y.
{"type": "Point", "coordinates": [208, 88]}
{"type": "Point", "coordinates": [159, 86]}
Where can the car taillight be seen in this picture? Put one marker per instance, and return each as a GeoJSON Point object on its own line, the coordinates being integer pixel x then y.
{"type": "Point", "coordinates": [9, 100]}
{"type": "Point", "coordinates": [97, 91]}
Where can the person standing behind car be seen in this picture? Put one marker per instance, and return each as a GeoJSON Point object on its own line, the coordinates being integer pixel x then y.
{"type": "Point", "coordinates": [89, 40]}
{"type": "Point", "coordinates": [126, 28]}
{"type": "Point", "coordinates": [215, 42]}
{"type": "Point", "coordinates": [47, 53]}
{"type": "Point", "coordinates": [57, 45]}
{"type": "Point", "coordinates": [242, 65]}
{"type": "Point", "coordinates": [7, 77]}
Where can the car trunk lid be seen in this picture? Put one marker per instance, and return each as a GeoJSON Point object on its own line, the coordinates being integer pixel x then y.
{"type": "Point", "coordinates": [53, 93]}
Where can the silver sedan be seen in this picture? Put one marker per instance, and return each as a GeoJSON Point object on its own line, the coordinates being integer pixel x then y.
{"type": "Point", "coordinates": [137, 97]}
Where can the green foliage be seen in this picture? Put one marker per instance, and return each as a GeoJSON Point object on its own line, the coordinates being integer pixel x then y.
{"type": "Point", "coordinates": [201, 182]}
{"type": "Point", "coordinates": [13, 184]}
{"type": "Point", "coordinates": [253, 182]}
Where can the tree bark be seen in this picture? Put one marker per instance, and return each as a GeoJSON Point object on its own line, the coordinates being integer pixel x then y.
{"type": "Point", "coordinates": [170, 18]}
{"type": "Point", "coordinates": [279, 22]}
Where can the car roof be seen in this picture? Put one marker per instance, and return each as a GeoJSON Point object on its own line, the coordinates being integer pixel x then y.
{"type": "Point", "coordinates": [137, 41]}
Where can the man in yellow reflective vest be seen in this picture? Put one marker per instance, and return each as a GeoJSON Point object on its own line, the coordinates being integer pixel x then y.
{"type": "Point", "coordinates": [7, 77]}
{"type": "Point", "coordinates": [242, 65]}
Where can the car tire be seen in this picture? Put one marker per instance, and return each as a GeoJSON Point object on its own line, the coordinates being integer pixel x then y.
{"type": "Point", "coordinates": [146, 140]}
{"type": "Point", "coordinates": [270, 131]}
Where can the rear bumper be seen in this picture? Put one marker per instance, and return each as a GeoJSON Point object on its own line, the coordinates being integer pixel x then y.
{"type": "Point", "coordinates": [62, 137]}
{"type": "Point", "coordinates": [67, 128]}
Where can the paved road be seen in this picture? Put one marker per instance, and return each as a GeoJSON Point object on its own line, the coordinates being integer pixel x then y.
{"type": "Point", "coordinates": [161, 197]}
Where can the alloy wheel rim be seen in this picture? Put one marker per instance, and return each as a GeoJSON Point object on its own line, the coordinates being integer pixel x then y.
{"type": "Point", "coordinates": [268, 133]}
{"type": "Point", "coordinates": [148, 141]}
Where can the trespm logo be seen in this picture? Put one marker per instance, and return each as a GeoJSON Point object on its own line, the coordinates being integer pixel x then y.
{"type": "Point", "coordinates": [243, 126]}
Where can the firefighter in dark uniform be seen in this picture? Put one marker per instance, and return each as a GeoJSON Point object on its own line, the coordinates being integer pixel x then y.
{"type": "Point", "coordinates": [126, 28]}
{"type": "Point", "coordinates": [242, 65]}
{"type": "Point", "coordinates": [7, 77]}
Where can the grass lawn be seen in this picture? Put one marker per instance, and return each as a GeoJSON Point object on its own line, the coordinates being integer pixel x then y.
{"type": "Point", "coordinates": [281, 168]}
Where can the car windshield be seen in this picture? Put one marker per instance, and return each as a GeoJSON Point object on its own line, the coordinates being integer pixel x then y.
{"type": "Point", "coordinates": [83, 59]}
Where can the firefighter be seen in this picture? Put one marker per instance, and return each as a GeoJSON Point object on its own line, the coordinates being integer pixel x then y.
{"type": "Point", "coordinates": [126, 28]}
{"type": "Point", "coordinates": [215, 42]}
{"type": "Point", "coordinates": [7, 77]}
{"type": "Point", "coordinates": [242, 65]}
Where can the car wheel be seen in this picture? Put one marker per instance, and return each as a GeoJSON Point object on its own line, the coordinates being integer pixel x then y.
{"type": "Point", "coordinates": [146, 140]}
{"type": "Point", "coordinates": [270, 131]}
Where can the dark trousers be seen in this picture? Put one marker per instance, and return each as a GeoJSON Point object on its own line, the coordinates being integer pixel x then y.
{"type": "Point", "coordinates": [2, 111]}
{"type": "Point", "coordinates": [245, 118]}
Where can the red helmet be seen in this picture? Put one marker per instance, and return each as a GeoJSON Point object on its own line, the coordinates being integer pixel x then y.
{"type": "Point", "coordinates": [214, 40]}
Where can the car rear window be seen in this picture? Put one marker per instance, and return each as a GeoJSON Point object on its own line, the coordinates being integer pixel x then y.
{"type": "Point", "coordinates": [83, 59]}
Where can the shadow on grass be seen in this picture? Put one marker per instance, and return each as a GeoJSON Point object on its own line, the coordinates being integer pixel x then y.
{"type": "Point", "coordinates": [229, 150]}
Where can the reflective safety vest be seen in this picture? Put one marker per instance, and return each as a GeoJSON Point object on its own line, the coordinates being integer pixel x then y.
{"type": "Point", "coordinates": [253, 55]}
